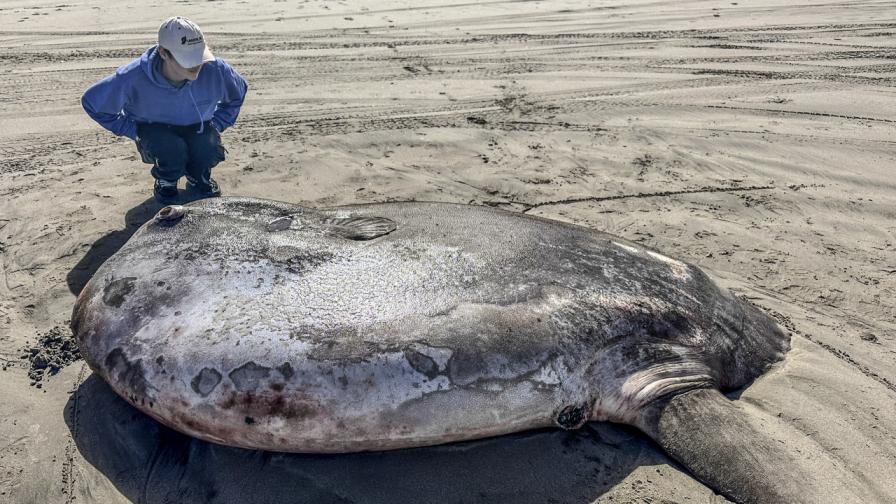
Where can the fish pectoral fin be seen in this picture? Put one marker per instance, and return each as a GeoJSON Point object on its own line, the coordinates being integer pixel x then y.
{"type": "Point", "coordinates": [360, 228]}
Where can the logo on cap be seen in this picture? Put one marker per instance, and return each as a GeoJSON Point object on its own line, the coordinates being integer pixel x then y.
{"type": "Point", "coordinates": [184, 40]}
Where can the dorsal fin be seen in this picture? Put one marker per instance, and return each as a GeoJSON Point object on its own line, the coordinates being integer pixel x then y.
{"type": "Point", "coordinates": [360, 228]}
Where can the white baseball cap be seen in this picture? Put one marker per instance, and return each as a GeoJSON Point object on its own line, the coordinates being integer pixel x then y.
{"type": "Point", "coordinates": [185, 42]}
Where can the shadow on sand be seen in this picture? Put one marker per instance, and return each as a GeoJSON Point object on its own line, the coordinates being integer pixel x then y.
{"type": "Point", "coordinates": [108, 245]}
{"type": "Point", "coordinates": [103, 248]}
{"type": "Point", "coordinates": [150, 463]}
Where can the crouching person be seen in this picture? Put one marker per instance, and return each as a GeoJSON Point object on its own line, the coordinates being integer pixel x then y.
{"type": "Point", "coordinates": [173, 101]}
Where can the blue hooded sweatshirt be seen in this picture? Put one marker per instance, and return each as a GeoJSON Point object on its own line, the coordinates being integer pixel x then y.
{"type": "Point", "coordinates": [138, 93]}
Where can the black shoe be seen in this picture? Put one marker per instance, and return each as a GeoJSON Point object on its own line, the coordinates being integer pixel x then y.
{"type": "Point", "coordinates": [198, 189]}
{"type": "Point", "coordinates": [165, 191]}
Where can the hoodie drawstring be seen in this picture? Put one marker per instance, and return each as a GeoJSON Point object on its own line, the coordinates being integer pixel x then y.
{"type": "Point", "coordinates": [201, 122]}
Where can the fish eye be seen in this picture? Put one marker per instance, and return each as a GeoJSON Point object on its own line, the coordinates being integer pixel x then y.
{"type": "Point", "coordinates": [171, 213]}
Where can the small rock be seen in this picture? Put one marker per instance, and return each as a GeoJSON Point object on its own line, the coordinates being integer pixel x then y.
{"type": "Point", "coordinates": [868, 337]}
{"type": "Point", "coordinates": [39, 361]}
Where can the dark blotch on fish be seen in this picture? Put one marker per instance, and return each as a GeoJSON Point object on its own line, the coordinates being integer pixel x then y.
{"type": "Point", "coordinates": [247, 377]}
{"type": "Point", "coordinates": [130, 375]}
{"type": "Point", "coordinates": [286, 370]}
{"type": "Point", "coordinates": [423, 364]}
{"type": "Point", "coordinates": [296, 260]}
{"type": "Point", "coordinates": [206, 381]}
{"type": "Point", "coordinates": [265, 405]}
{"type": "Point", "coordinates": [117, 291]}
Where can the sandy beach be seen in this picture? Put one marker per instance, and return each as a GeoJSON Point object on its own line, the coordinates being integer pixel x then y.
{"type": "Point", "coordinates": [754, 139]}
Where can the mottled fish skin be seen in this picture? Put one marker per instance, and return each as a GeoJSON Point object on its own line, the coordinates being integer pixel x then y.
{"type": "Point", "coordinates": [268, 325]}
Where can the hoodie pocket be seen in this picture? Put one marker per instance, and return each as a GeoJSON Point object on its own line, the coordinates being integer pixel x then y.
{"type": "Point", "coordinates": [145, 156]}
{"type": "Point", "coordinates": [220, 151]}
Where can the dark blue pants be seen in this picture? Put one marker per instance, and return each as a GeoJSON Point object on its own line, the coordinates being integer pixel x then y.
{"type": "Point", "coordinates": [176, 151]}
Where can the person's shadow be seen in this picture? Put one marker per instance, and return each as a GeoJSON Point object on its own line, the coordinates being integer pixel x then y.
{"type": "Point", "coordinates": [149, 463]}
{"type": "Point", "coordinates": [108, 245]}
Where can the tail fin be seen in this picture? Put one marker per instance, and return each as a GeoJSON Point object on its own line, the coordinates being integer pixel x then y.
{"type": "Point", "coordinates": [748, 458]}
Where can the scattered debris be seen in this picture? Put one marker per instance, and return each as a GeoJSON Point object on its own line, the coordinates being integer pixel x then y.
{"type": "Point", "coordinates": [54, 350]}
{"type": "Point", "coordinates": [868, 337]}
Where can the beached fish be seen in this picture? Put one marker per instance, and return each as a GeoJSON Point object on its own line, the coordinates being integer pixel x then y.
{"type": "Point", "coordinates": [268, 325]}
